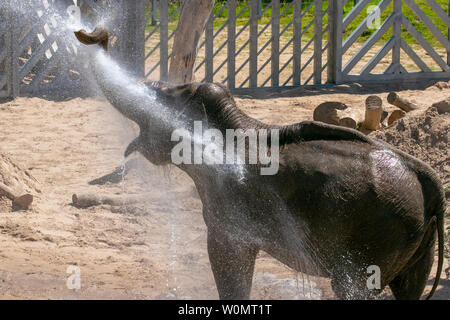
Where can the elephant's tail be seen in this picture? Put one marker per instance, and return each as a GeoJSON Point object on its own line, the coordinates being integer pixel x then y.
{"type": "Point", "coordinates": [435, 205]}
{"type": "Point", "coordinates": [440, 211]}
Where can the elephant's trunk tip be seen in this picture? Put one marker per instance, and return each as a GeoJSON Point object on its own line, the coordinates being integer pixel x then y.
{"type": "Point", "coordinates": [98, 36]}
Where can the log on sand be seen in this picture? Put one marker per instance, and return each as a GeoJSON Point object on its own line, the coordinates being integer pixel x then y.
{"type": "Point", "coordinates": [374, 111]}
{"type": "Point", "coordinates": [402, 103]}
{"type": "Point", "coordinates": [348, 123]}
{"type": "Point", "coordinates": [87, 200]}
{"type": "Point", "coordinates": [327, 112]}
{"type": "Point", "coordinates": [395, 115]}
{"type": "Point", "coordinates": [19, 202]}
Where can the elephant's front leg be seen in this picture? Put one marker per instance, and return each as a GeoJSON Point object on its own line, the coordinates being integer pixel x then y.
{"type": "Point", "coordinates": [232, 263]}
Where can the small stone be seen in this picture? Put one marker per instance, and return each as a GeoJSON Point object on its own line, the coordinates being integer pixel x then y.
{"type": "Point", "coordinates": [442, 106]}
{"type": "Point", "coordinates": [23, 202]}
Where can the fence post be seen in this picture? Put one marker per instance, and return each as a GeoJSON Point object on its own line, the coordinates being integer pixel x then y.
{"type": "Point", "coordinates": [397, 32]}
{"type": "Point", "coordinates": [448, 35]}
{"type": "Point", "coordinates": [133, 37]}
{"type": "Point", "coordinates": [154, 12]}
{"type": "Point", "coordinates": [275, 43]}
{"type": "Point", "coordinates": [297, 42]}
{"type": "Point", "coordinates": [209, 48]}
{"type": "Point", "coordinates": [318, 15]}
{"type": "Point", "coordinates": [12, 66]}
{"type": "Point", "coordinates": [335, 16]}
{"type": "Point", "coordinates": [231, 43]}
{"type": "Point", "coordinates": [253, 44]}
{"type": "Point", "coordinates": [164, 39]}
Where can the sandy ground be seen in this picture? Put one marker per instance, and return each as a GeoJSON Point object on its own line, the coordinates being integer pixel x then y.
{"type": "Point", "coordinates": [155, 249]}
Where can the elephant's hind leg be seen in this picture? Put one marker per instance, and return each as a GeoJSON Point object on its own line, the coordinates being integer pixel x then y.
{"type": "Point", "coordinates": [410, 283]}
{"type": "Point", "coordinates": [232, 263]}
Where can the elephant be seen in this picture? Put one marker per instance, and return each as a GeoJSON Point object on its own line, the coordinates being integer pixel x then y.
{"type": "Point", "coordinates": [340, 204]}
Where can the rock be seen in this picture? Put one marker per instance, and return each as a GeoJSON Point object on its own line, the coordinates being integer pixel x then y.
{"type": "Point", "coordinates": [23, 202]}
{"type": "Point", "coordinates": [442, 106]}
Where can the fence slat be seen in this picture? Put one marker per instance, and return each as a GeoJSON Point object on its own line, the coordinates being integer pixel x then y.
{"type": "Point", "coordinates": [397, 33]}
{"type": "Point", "coordinates": [297, 43]}
{"type": "Point", "coordinates": [335, 15]}
{"type": "Point", "coordinates": [164, 38]}
{"type": "Point", "coordinates": [132, 49]}
{"type": "Point", "coordinates": [231, 44]}
{"type": "Point", "coordinates": [448, 34]}
{"type": "Point", "coordinates": [12, 65]}
{"type": "Point", "coordinates": [354, 13]}
{"type": "Point", "coordinates": [275, 75]}
{"type": "Point", "coordinates": [253, 44]}
{"type": "Point", "coordinates": [318, 15]}
{"type": "Point", "coordinates": [428, 48]}
{"type": "Point", "coordinates": [361, 28]}
{"type": "Point", "coordinates": [417, 60]}
{"type": "Point", "coordinates": [369, 43]}
{"type": "Point", "coordinates": [378, 57]}
{"type": "Point", "coordinates": [427, 22]}
{"type": "Point", "coordinates": [209, 49]}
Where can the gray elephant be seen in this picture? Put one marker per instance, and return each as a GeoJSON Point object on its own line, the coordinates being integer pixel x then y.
{"type": "Point", "coordinates": [340, 203]}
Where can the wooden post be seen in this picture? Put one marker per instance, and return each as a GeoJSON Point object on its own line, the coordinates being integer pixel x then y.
{"type": "Point", "coordinates": [253, 44]}
{"type": "Point", "coordinates": [209, 48]}
{"type": "Point", "coordinates": [318, 13]}
{"type": "Point", "coordinates": [164, 39]}
{"type": "Point", "coordinates": [448, 34]}
{"type": "Point", "coordinates": [297, 42]}
{"type": "Point", "coordinates": [397, 33]}
{"type": "Point", "coordinates": [133, 37]}
{"type": "Point", "coordinates": [275, 78]}
{"type": "Point", "coordinates": [231, 43]}
{"type": "Point", "coordinates": [374, 110]}
{"type": "Point", "coordinates": [335, 15]}
{"type": "Point", "coordinates": [12, 59]}
{"type": "Point", "coordinates": [154, 12]}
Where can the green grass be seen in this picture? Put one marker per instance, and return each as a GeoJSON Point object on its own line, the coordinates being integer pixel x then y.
{"type": "Point", "coordinates": [287, 17]}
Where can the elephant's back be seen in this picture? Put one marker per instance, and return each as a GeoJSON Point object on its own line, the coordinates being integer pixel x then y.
{"type": "Point", "coordinates": [351, 180]}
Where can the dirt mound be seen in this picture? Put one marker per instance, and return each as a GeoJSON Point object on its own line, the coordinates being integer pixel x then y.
{"type": "Point", "coordinates": [14, 182]}
{"type": "Point", "coordinates": [424, 135]}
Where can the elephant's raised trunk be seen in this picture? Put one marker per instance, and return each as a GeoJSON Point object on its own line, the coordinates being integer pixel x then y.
{"type": "Point", "coordinates": [126, 94]}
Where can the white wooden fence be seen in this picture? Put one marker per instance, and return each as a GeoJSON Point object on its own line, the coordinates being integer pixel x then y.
{"type": "Point", "coordinates": [245, 45]}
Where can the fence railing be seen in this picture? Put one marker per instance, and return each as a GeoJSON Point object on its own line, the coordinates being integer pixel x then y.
{"type": "Point", "coordinates": [246, 44]}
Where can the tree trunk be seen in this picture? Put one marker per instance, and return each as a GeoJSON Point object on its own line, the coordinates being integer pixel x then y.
{"type": "Point", "coordinates": [193, 18]}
